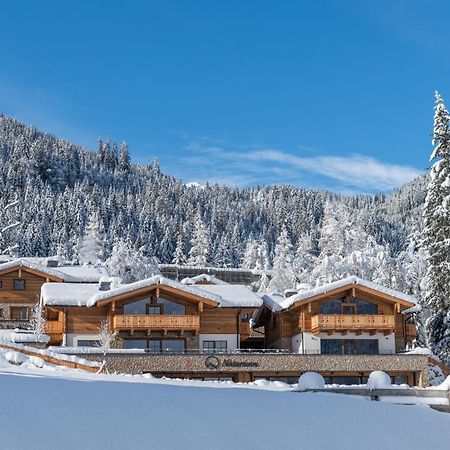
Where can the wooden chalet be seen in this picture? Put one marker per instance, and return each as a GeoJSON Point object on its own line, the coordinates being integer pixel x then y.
{"type": "Point", "coordinates": [351, 316]}
{"type": "Point", "coordinates": [21, 281]}
{"type": "Point", "coordinates": [157, 314]}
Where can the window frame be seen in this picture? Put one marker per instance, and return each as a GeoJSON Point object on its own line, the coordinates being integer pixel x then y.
{"type": "Point", "coordinates": [21, 308]}
{"type": "Point", "coordinates": [215, 348]}
{"type": "Point", "coordinates": [21, 280]}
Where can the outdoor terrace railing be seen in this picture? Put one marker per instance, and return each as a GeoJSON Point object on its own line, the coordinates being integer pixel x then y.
{"type": "Point", "coordinates": [149, 322]}
{"type": "Point", "coordinates": [352, 322]}
{"type": "Point", "coordinates": [53, 327]}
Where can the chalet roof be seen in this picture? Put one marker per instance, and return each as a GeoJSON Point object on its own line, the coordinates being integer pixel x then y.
{"type": "Point", "coordinates": [203, 277]}
{"type": "Point", "coordinates": [278, 303]}
{"type": "Point", "coordinates": [73, 294]}
{"type": "Point", "coordinates": [233, 295]}
{"type": "Point", "coordinates": [70, 273]}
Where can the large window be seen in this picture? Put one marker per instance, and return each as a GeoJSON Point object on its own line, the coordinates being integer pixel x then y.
{"type": "Point", "coordinates": [171, 308]}
{"type": "Point", "coordinates": [215, 346]}
{"type": "Point", "coordinates": [156, 345]}
{"type": "Point", "coordinates": [163, 306]}
{"type": "Point", "coordinates": [19, 285]}
{"type": "Point", "coordinates": [88, 343]}
{"type": "Point", "coordinates": [136, 308]}
{"type": "Point", "coordinates": [355, 306]}
{"type": "Point", "coordinates": [18, 313]}
{"type": "Point", "coordinates": [349, 347]}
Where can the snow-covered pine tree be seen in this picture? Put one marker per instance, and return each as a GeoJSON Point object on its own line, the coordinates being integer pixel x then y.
{"type": "Point", "coordinates": [38, 320]}
{"type": "Point", "coordinates": [90, 248]}
{"type": "Point", "coordinates": [124, 159]}
{"type": "Point", "coordinates": [9, 230]}
{"type": "Point", "coordinates": [200, 243]}
{"type": "Point", "coordinates": [250, 259]}
{"type": "Point", "coordinates": [283, 275]}
{"type": "Point", "coordinates": [130, 265]}
{"type": "Point", "coordinates": [305, 258]}
{"type": "Point", "coordinates": [179, 258]}
{"type": "Point", "coordinates": [263, 260]}
{"type": "Point", "coordinates": [436, 236]}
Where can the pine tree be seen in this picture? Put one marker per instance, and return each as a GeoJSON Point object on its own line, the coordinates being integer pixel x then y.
{"type": "Point", "coordinates": [283, 276]}
{"type": "Point", "coordinates": [124, 159]}
{"type": "Point", "coordinates": [90, 248]}
{"type": "Point", "coordinates": [198, 255]}
{"type": "Point", "coordinates": [250, 259]}
{"type": "Point", "coordinates": [436, 235]}
{"type": "Point", "coordinates": [179, 257]}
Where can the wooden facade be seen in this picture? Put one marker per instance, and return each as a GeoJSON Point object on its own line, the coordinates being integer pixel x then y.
{"type": "Point", "coordinates": [20, 289]}
{"type": "Point", "coordinates": [201, 316]}
{"type": "Point", "coordinates": [306, 316]}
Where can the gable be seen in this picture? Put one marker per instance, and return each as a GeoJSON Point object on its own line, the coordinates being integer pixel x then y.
{"type": "Point", "coordinates": [356, 290]}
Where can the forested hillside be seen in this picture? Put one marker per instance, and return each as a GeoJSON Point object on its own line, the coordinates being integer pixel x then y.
{"type": "Point", "coordinates": [66, 192]}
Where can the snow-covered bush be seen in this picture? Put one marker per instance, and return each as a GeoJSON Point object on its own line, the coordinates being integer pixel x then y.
{"type": "Point", "coordinates": [379, 380]}
{"type": "Point", "coordinates": [445, 386]}
{"type": "Point", "coordinates": [310, 380]}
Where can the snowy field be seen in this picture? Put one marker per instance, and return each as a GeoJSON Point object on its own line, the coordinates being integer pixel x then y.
{"type": "Point", "coordinates": [54, 408]}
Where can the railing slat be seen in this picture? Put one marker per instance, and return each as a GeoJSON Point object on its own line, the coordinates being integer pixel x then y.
{"type": "Point", "coordinates": [149, 321]}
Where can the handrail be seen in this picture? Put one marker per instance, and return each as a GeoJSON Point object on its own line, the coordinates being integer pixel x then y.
{"type": "Point", "coordinates": [156, 321]}
{"type": "Point", "coordinates": [352, 321]}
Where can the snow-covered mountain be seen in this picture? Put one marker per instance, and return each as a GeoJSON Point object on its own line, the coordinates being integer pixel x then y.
{"type": "Point", "coordinates": [65, 189]}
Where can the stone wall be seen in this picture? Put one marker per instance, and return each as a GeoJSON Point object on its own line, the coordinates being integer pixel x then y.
{"type": "Point", "coordinates": [267, 364]}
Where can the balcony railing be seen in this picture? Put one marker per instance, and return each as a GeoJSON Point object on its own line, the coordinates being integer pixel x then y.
{"type": "Point", "coordinates": [53, 327]}
{"type": "Point", "coordinates": [149, 322]}
{"type": "Point", "coordinates": [352, 322]}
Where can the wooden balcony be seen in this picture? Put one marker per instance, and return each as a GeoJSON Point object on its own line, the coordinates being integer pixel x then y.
{"type": "Point", "coordinates": [156, 323]}
{"type": "Point", "coordinates": [53, 327]}
{"type": "Point", "coordinates": [349, 323]}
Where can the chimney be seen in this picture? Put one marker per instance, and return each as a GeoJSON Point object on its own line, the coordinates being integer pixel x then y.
{"type": "Point", "coordinates": [104, 285]}
{"type": "Point", "coordinates": [52, 262]}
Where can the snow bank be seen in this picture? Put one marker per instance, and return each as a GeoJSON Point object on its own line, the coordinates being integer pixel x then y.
{"type": "Point", "coordinates": [22, 337]}
{"type": "Point", "coordinates": [42, 413]}
{"type": "Point", "coordinates": [310, 380]}
{"type": "Point", "coordinates": [445, 386]}
{"type": "Point", "coordinates": [379, 380]}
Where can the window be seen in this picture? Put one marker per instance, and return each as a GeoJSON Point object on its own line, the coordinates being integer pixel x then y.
{"type": "Point", "coordinates": [156, 345]}
{"type": "Point", "coordinates": [348, 308]}
{"type": "Point", "coordinates": [18, 313]}
{"type": "Point", "coordinates": [363, 307]}
{"type": "Point", "coordinates": [349, 347]}
{"type": "Point", "coordinates": [356, 306]}
{"type": "Point", "coordinates": [215, 346]}
{"type": "Point", "coordinates": [88, 343]}
{"type": "Point", "coordinates": [154, 310]}
{"type": "Point", "coordinates": [19, 285]}
{"type": "Point", "coordinates": [172, 308]}
{"type": "Point", "coordinates": [331, 307]}
{"type": "Point", "coordinates": [136, 308]}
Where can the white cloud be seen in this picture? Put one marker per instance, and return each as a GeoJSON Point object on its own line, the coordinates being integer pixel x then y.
{"type": "Point", "coordinates": [355, 170]}
{"type": "Point", "coordinates": [351, 174]}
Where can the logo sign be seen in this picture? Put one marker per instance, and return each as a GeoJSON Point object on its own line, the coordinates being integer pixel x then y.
{"type": "Point", "coordinates": [211, 362]}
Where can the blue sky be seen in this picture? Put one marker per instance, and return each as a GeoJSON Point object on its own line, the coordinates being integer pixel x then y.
{"type": "Point", "coordinates": [329, 94]}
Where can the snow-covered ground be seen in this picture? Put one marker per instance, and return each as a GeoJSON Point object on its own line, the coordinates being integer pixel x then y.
{"type": "Point", "coordinates": [48, 407]}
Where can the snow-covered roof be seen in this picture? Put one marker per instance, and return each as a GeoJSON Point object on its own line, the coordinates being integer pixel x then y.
{"type": "Point", "coordinates": [88, 273]}
{"type": "Point", "coordinates": [277, 302]}
{"type": "Point", "coordinates": [72, 294]}
{"type": "Point", "coordinates": [68, 294]}
{"type": "Point", "coordinates": [89, 294]}
{"type": "Point", "coordinates": [233, 295]}
{"type": "Point", "coordinates": [203, 277]}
